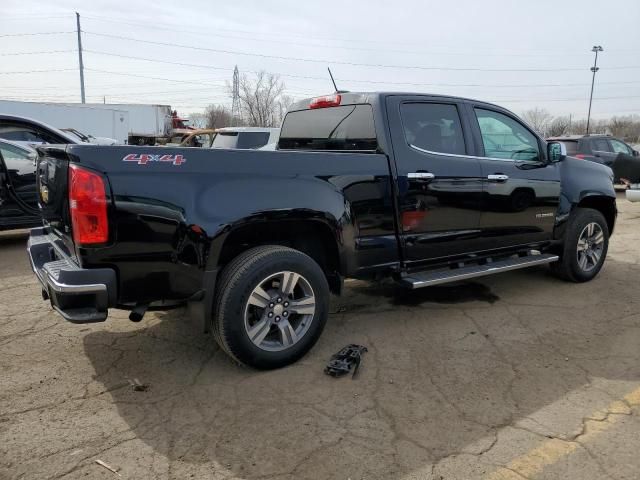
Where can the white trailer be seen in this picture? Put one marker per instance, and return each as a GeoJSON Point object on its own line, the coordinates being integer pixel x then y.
{"type": "Point", "coordinates": [147, 123]}
{"type": "Point", "coordinates": [98, 122]}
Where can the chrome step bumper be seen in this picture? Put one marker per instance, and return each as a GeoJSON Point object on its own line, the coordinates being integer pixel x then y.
{"type": "Point", "coordinates": [79, 295]}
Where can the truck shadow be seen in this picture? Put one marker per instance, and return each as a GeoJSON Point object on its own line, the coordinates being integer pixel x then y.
{"type": "Point", "coordinates": [439, 378]}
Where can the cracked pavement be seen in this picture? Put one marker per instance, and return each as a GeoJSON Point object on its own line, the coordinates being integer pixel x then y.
{"type": "Point", "coordinates": [515, 376]}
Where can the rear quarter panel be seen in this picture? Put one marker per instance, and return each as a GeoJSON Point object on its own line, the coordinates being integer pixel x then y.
{"type": "Point", "coordinates": [170, 220]}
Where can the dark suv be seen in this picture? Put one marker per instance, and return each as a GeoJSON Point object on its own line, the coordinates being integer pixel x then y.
{"type": "Point", "coordinates": [605, 149]}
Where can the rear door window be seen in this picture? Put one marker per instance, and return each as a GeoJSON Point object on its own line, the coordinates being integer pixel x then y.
{"type": "Point", "coordinates": [347, 127]}
{"type": "Point", "coordinates": [434, 127]}
{"type": "Point", "coordinates": [600, 145]}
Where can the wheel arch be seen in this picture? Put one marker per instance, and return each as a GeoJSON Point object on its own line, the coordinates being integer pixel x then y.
{"type": "Point", "coordinates": [317, 236]}
{"type": "Point", "coordinates": [604, 204]}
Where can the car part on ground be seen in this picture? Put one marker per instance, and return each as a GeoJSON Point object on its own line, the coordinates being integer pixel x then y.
{"type": "Point", "coordinates": [345, 361]}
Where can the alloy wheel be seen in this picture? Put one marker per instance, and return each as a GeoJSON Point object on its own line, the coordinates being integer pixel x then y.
{"type": "Point", "coordinates": [279, 311]}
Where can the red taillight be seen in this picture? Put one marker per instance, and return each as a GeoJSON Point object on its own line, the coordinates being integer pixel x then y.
{"type": "Point", "coordinates": [326, 101]}
{"type": "Point", "coordinates": [580, 156]}
{"type": "Point", "coordinates": [88, 205]}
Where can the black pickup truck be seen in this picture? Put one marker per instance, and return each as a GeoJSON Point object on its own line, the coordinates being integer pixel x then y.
{"type": "Point", "coordinates": [427, 189]}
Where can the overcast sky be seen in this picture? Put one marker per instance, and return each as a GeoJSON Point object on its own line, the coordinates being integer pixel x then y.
{"type": "Point", "coordinates": [520, 54]}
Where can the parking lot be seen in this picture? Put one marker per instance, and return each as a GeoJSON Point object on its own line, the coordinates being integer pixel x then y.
{"type": "Point", "coordinates": [515, 376]}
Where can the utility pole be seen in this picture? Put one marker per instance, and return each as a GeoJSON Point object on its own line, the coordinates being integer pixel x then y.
{"type": "Point", "coordinates": [235, 94]}
{"type": "Point", "coordinates": [81, 65]}
{"type": "Point", "coordinates": [594, 69]}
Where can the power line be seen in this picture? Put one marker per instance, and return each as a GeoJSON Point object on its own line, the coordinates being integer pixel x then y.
{"type": "Point", "coordinates": [337, 62]}
{"type": "Point", "coordinates": [32, 34]}
{"type": "Point", "coordinates": [339, 47]}
{"type": "Point", "coordinates": [178, 28]}
{"type": "Point", "coordinates": [382, 82]}
{"type": "Point", "coordinates": [149, 77]}
{"type": "Point", "coordinates": [34, 53]}
{"type": "Point", "coordinates": [39, 71]}
{"type": "Point", "coordinates": [533, 100]}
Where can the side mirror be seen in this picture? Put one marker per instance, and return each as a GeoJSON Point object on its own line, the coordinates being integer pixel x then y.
{"type": "Point", "coordinates": [636, 153]}
{"type": "Point", "coordinates": [556, 151]}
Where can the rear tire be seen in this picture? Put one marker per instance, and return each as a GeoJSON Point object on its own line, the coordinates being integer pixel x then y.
{"type": "Point", "coordinates": [585, 246]}
{"type": "Point", "coordinates": [271, 306]}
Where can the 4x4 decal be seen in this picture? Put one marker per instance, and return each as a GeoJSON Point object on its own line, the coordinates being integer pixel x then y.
{"type": "Point", "coordinates": [144, 158]}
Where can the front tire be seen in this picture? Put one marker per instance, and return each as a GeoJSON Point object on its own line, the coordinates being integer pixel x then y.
{"type": "Point", "coordinates": [272, 304]}
{"type": "Point", "coordinates": [585, 246]}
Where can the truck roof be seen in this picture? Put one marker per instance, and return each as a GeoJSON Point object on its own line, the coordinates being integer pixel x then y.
{"type": "Point", "coordinates": [351, 98]}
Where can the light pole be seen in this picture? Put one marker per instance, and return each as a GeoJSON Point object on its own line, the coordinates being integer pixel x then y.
{"type": "Point", "coordinates": [594, 69]}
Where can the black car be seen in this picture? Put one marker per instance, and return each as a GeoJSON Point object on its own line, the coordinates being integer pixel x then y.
{"type": "Point", "coordinates": [607, 150]}
{"type": "Point", "coordinates": [30, 132]}
{"type": "Point", "coordinates": [18, 196]}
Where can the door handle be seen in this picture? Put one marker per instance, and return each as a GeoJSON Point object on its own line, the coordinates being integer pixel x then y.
{"type": "Point", "coordinates": [421, 175]}
{"type": "Point", "coordinates": [498, 177]}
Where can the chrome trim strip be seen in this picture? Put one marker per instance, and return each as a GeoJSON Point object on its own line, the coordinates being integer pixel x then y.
{"type": "Point", "coordinates": [65, 288]}
{"type": "Point", "coordinates": [480, 271]}
{"type": "Point", "coordinates": [466, 156]}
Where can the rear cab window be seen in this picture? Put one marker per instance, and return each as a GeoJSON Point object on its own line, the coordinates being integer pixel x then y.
{"type": "Point", "coordinates": [252, 139]}
{"type": "Point", "coordinates": [344, 127]}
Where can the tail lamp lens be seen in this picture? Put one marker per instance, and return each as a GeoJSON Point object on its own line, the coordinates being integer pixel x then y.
{"type": "Point", "coordinates": [88, 206]}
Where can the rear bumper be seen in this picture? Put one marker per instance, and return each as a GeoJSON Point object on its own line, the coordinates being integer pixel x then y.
{"type": "Point", "coordinates": [79, 295]}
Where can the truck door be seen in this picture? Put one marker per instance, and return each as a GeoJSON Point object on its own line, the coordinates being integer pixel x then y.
{"type": "Point", "coordinates": [626, 164]}
{"type": "Point", "coordinates": [18, 196]}
{"type": "Point", "coordinates": [439, 184]}
{"type": "Point", "coordinates": [602, 151]}
{"type": "Point", "coordinates": [521, 190]}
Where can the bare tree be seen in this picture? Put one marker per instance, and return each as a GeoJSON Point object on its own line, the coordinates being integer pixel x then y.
{"type": "Point", "coordinates": [578, 127]}
{"type": "Point", "coordinates": [284, 103]}
{"type": "Point", "coordinates": [197, 120]}
{"type": "Point", "coordinates": [539, 119]}
{"type": "Point", "coordinates": [217, 116]}
{"type": "Point", "coordinates": [558, 126]}
{"type": "Point", "coordinates": [260, 99]}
